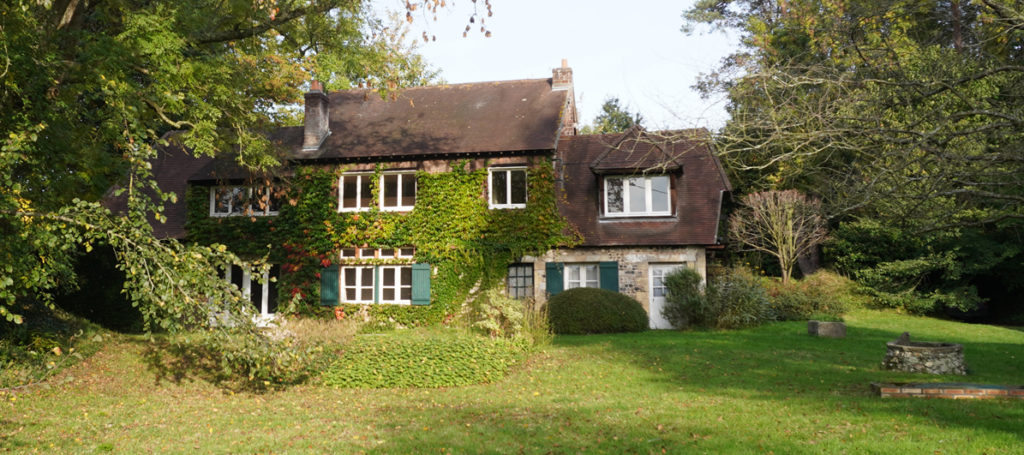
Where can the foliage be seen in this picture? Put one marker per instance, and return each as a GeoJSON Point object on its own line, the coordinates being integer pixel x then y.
{"type": "Point", "coordinates": [613, 118]}
{"type": "Point", "coordinates": [593, 310]}
{"type": "Point", "coordinates": [438, 358]}
{"type": "Point", "coordinates": [898, 112]}
{"type": "Point", "coordinates": [821, 296]}
{"type": "Point", "coordinates": [785, 224]}
{"type": "Point", "coordinates": [497, 315]}
{"type": "Point", "coordinates": [45, 344]}
{"type": "Point", "coordinates": [451, 228]}
{"type": "Point", "coordinates": [684, 301]}
{"type": "Point", "coordinates": [731, 300]}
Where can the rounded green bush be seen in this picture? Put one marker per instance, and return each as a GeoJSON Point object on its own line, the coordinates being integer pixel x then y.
{"type": "Point", "coordinates": [590, 310]}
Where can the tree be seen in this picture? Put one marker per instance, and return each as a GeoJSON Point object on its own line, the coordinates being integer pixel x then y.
{"type": "Point", "coordinates": [613, 119]}
{"type": "Point", "coordinates": [785, 224]}
{"type": "Point", "coordinates": [89, 90]}
{"type": "Point", "coordinates": [902, 112]}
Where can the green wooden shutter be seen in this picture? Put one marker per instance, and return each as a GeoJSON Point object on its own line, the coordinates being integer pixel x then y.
{"type": "Point", "coordinates": [609, 276]}
{"type": "Point", "coordinates": [421, 284]}
{"type": "Point", "coordinates": [554, 283]}
{"type": "Point", "coordinates": [329, 286]}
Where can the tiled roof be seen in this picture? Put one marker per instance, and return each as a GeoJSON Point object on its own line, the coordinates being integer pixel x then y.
{"type": "Point", "coordinates": [698, 182]}
{"type": "Point", "coordinates": [458, 119]}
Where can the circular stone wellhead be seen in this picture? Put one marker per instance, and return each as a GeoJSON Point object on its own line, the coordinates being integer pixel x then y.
{"type": "Point", "coordinates": [925, 357]}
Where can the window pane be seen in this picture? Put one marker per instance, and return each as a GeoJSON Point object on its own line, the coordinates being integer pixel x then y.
{"type": "Point", "coordinates": [518, 186]}
{"type": "Point", "coordinates": [271, 197]}
{"type": "Point", "coordinates": [407, 252]}
{"type": "Point", "coordinates": [349, 187]}
{"type": "Point", "coordinates": [574, 273]}
{"type": "Point", "coordinates": [499, 187]}
{"type": "Point", "coordinates": [367, 277]}
{"type": "Point", "coordinates": [614, 195]}
{"type": "Point", "coordinates": [365, 194]}
{"type": "Point", "coordinates": [348, 252]}
{"type": "Point", "coordinates": [387, 253]}
{"type": "Point", "coordinates": [387, 294]}
{"type": "Point", "coordinates": [388, 277]}
{"type": "Point", "coordinates": [238, 200]}
{"type": "Point", "coordinates": [406, 276]}
{"type": "Point", "coordinates": [406, 293]}
{"type": "Point", "coordinates": [659, 194]}
{"type": "Point", "coordinates": [637, 195]}
{"type": "Point", "coordinates": [367, 294]}
{"type": "Point", "coordinates": [408, 190]}
{"type": "Point", "coordinates": [349, 277]}
{"type": "Point", "coordinates": [391, 190]}
{"type": "Point", "coordinates": [366, 253]}
{"type": "Point", "coordinates": [350, 294]}
{"type": "Point", "coordinates": [222, 200]}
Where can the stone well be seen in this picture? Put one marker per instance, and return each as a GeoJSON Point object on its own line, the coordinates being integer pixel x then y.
{"type": "Point", "coordinates": [924, 357]}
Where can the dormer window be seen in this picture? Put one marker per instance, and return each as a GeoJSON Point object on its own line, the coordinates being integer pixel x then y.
{"type": "Point", "coordinates": [637, 196]}
{"type": "Point", "coordinates": [507, 187]}
{"type": "Point", "coordinates": [242, 201]}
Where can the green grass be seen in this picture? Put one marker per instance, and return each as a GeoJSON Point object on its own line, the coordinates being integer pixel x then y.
{"type": "Point", "coordinates": [771, 389]}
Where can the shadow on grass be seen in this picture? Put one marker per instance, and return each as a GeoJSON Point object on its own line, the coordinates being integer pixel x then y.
{"type": "Point", "coordinates": [177, 362]}
{"type": "Point", "coordinates": [780, 363]}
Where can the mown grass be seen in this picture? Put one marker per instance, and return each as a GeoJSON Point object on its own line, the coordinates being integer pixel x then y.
{"type": "Point", "coordinates": [770, 389]}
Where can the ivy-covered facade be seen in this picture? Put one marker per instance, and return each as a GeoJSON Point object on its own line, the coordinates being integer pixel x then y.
{"type": "Point", "coordinates": [399, 210]}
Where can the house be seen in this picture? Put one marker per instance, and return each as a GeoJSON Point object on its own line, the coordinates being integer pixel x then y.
{"type": "Point", "coordinates": [405, 205]}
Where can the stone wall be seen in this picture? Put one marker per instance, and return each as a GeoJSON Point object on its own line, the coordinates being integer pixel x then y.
{"type": "Point", "coordinates": [925, 357]}
{"type": "Point", "coordinates": [633, 265]}
{"type": "Point", "coordinates": [957, 391]}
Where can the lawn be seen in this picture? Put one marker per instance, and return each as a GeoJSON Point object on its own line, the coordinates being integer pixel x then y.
{"type": "Point", "coordinates": [771, 389]}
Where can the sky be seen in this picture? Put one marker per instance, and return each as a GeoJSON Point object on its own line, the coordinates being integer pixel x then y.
{"type": "Point", "coordinates": [632, 50]}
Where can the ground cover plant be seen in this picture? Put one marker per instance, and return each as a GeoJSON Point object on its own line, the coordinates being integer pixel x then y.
{"type": "Point", "coordinates": [768, 389]}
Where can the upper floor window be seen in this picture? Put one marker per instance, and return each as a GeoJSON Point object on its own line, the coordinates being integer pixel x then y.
{"type": "Point", "coordinates": [507, 188]}
{"type": "Point", "coordinates": [397, 191]}
{"type": "Point", "coordinates": [242, 201]}
{"type": "Point", "coordinates": [637, 196]}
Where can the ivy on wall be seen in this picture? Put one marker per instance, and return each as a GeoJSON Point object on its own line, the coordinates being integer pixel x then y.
{"type": "Point", "coordinates": [451, 227]}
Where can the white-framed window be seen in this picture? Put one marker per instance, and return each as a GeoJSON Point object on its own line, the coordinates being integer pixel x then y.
{"type": "Point", "coordinates": [398, 191]}
{"type": "Point", "coordinates": [637, 195]}
{"type": "Point", "coordinates": [377, 284]}
{"type": "Point", "coordinates": [354, 192]}
{"type": "Point", "coordinates": [357, 284]}
{"type": "Point", "coordinates": [507, 187]}
{"type": "Point", "coordinates": [243, 201]}
{"type": "Point", "coordinates": [519, 283]}
{"type": "Point", "coordinates": [582, 276]}
{"type": "Point", "coordinates": [262, 292]}
{"type": "Point", "coordinates": [399, 254]}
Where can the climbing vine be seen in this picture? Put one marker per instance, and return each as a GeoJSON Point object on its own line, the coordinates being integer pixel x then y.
{"type": "Point", "coordinates": [468, 245]}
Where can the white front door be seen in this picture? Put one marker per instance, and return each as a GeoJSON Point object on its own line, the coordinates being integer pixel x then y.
{"type": "Point", "coordinates": [657, 273]}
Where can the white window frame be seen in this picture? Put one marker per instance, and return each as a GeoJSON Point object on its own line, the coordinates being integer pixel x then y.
{"type": "Point", "coordinates": [251, 210]}
{"type": "Point", "coordinates": [399, 254]}
{"type": "Point", "coordinates": [401, 207]}
{"type": "Point", "coordinates": [377, 286]}
{"type": "Point", "coordinates": [359, 188]}
{"type": "Point", "coordinates": [648, 196]}
{"type": "Point", "coordinates": [508, 187]}
{"type": "Point", "coordinates": [584, 277]}
{"type": "Point", "coordinates": [248, 282]}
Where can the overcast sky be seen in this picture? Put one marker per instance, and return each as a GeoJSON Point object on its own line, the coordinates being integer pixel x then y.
{"type": "Point", "coordinates": [631, 50]}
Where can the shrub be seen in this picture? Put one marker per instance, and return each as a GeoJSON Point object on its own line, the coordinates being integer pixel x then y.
{"type": "Point", "coordinates": [823, 295]}
{"type": "Point", "coordinates": [590, 310]}
{"type": "Point", "coordinates": [499, 316]}
{"type": "Point", "coordinates": [419, 358]}
{"type": "Point", "coordinates": [685, 303]}
{"type": "Point", "coordinates": [737, 300]}
{"type": "Point", "coordinates": [732, 300]}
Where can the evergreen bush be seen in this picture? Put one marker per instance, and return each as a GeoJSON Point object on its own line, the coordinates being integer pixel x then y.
{"type": "Point", "coordinates": [685, 303]}
{"type": "Point", "coordinates": [591, 310]}
{"type": "Point", "coordinates": [733, 300]}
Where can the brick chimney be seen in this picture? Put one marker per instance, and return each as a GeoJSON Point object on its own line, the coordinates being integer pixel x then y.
{"type": "Point", "coordinates": [316, 121]}
{"type": "Point", "coordinates": [561, 79]}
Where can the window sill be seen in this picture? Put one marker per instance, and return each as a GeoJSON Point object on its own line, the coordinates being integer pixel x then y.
{"type": "Point", "coordinates": [635, 218]}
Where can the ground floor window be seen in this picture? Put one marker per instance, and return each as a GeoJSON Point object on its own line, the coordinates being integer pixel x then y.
{"type": "Point", "coordinates": [377, 284]}
{"type": "Point", "coordinates": [519, 283]}
{"type": "Point", "coordinates": [582, 276]}
{"type": "Point", "coordinates": [261, 290]}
